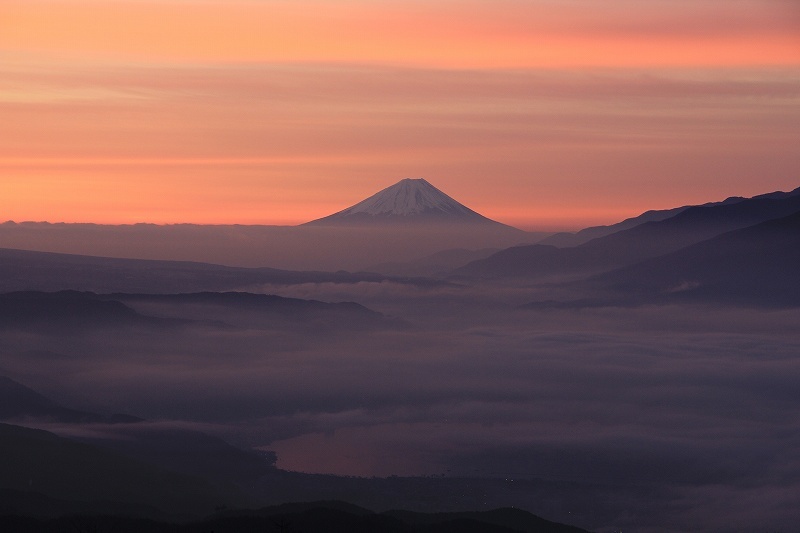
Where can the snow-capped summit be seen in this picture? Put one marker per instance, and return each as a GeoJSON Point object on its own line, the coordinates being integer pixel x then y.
{"type": "Point", "coordinates": [407, 201]}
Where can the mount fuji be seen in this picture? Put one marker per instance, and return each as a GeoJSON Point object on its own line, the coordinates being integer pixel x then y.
{"type": "Point", "coordinates": [409, 201]}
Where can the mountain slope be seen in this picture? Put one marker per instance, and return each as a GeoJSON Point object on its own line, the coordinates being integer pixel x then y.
{"type": "Point", "coordinates": [409, 201]}
{"type": "Point", "coordinates": [66, 310]}
{"type": "Point", "coordinates": [565, 239]}
{"type": "Point", "coordinates": [756, 265]}
{"type": "Point", "coordinates": [328, 516]}
{"type": "Point", "coordinates": [630, 246]}
{"type": "Point", "coordinates": [242, 308]}
{"type": "Point", "coordinates": [341, 516]}
{"type": "Point", "coordinates": [585, 235]}
{"type": "Point", "coordinates": [510, 518]}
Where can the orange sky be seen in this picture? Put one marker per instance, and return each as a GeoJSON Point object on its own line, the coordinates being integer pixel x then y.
{"type": "Point", "coordinates": [540, 113]}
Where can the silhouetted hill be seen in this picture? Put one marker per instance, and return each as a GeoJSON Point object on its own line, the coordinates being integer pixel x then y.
{"type": "Point", "coordinates": [755, 265]}
{"type": "Point", "coordinates": [301, 507]}
{"type": "Point", "coordinates": [259, 309]}
{"type": "Point", "coordinates": [73, 310]}
{"type": "Point", "coordinates": [565, 239]}
{"type": "Point", "coordinates": [328, 516]}
{"type": "Point", "coordinates": [39, 461]}
{"type": "Point", "coordinates": [22, 270]}
{"type": "Point", "coordinates": [67, 309]}
{"type": "Point", "coordinates": [627, 247]}
{"type": "Point", "coordinates": [312, 519]}
{"type": "Point", "coordinates": [341, 516]}
{"type": "Point", "coordinates": [245, 300]}
{"type": "Point", "coordinates": [503, 519]}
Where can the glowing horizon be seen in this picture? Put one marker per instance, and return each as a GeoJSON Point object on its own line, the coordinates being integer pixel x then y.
{"type": "Point", "coordinates": [543, 114]}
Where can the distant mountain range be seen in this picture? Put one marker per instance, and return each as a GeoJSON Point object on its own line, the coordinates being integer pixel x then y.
{"type": "Point", "coordinates": [374, 227]}
{"type": "Point", "coordinates": [402, 223]}
{"type": "Point", "coordinates": [587, 234]}
{"type": "Point", "coordinates": [646, 240]}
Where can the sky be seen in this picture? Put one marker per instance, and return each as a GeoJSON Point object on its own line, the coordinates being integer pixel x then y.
{"type": "Point", "coordinates": [542, 114]}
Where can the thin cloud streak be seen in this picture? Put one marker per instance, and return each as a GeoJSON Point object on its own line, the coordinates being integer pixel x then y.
{"type": "Point", "coordinates": [443, 34]}
{"type": "Point", "coordinates": [295, 143]}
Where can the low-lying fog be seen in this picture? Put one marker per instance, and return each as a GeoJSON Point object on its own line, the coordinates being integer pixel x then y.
{"type": "Point", "coordinates": [289, 247]}
{"type": "Point", "coordinates": [697, 407]}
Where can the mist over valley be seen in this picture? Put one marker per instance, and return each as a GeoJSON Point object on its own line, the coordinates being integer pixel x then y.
{"type": "Point", "coordinates": [643, 379]}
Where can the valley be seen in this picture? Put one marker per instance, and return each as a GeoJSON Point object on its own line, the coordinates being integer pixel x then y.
{"type": "Point", "coordinates": [598, 385]}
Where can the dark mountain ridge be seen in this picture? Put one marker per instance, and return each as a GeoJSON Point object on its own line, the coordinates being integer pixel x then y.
{"type": "Point", "coordinates": [331, 516]}
{"type": "Point", "coordinates": [647, 240]}
{"type": "Point", "coordinates": [47, 271]}
{"type": "Point", "coordinates": [230, 307]}
{"type": "Point", "coordinates": [76, 310]}
{"type": "Point", "coordinates": [67, 310]}
{"type": "Point", "coordinates": [574, 239]}
{"type": "Point", "coordinates": [757, 265]}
